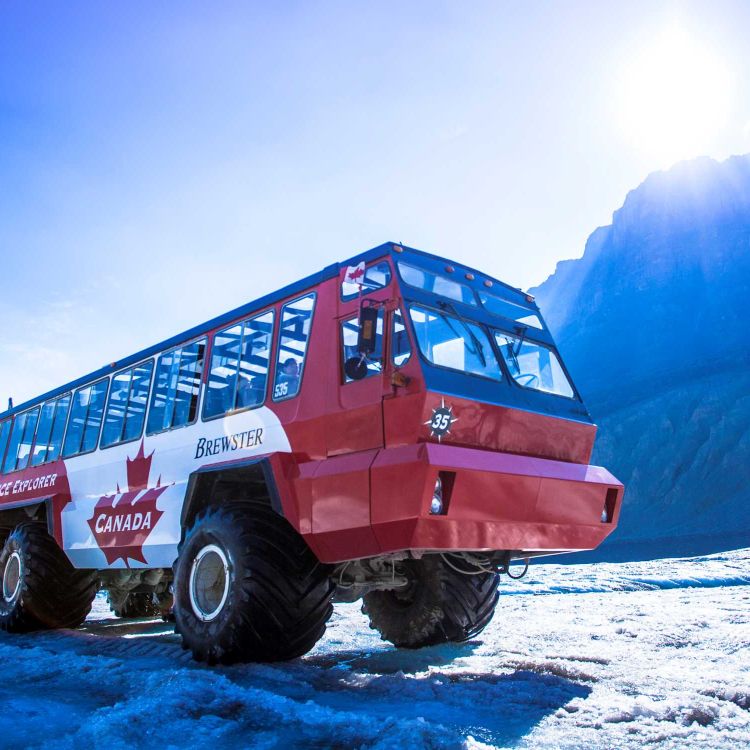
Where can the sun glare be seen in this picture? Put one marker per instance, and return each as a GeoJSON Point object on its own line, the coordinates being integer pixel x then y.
{"type": "Point", "coordinates": [675, 97]}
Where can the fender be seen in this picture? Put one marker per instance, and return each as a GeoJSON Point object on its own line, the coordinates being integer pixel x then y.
{"type": "Point", "coordinates": [38, 508]}
{"type": "Point", "coordinates": [264, 478]}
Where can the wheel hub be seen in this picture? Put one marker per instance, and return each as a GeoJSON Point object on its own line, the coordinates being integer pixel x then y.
{"type": "Point", "coordinates": [209, 582]}
{"type": "Point", "coordinates": [12, 577]}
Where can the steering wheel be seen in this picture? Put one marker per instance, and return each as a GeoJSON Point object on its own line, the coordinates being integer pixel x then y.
{"type": "Point", "coordinates": [532, 377]}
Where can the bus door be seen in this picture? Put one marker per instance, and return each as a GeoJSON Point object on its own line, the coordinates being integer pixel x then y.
{"type": "Point", "coordinates": [357, 423]}
{"type": "Point", "coordinates": [353, 426]}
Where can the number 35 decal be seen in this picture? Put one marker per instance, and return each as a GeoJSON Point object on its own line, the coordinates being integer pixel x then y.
{"type": "Point", "coordinates": [441, 421]}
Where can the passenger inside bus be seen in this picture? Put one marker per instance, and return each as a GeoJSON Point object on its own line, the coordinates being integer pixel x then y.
{"type": "Point", "coordinates": [248, 393]}
{"type": "Point", "coordinates": [289, 374]}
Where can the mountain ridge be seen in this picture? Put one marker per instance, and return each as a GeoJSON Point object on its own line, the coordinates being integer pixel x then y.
{"type": "Point", "coordinates": [651, 322]}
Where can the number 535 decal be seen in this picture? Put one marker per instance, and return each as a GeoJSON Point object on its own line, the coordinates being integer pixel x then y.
{"type": "Point", "coordinates": [441, 421]}
{"type": "Point", "coordinates": [280, 389]}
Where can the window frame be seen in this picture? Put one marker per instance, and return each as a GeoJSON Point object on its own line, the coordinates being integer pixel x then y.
{"type": "Point", "coordinates": [356, 295]}
{"type": "Point", "coordinates": [392, 337]}
{"type": "Point", "coordinates": [201, 389]}
{"type": "Point", "coordinates": [553, 350]}
{"type": "Point", "coordinates": [56, 400]}
{"type": "Point", "coordinates": [4, 447]}
{"type": "Point", "coordinates": [501, 368]}
{"type": "Point", "coordinates": [125, 415]}
{"type": "Point", "coordinates": [383, 355]}
{"type": "Point", "coordinates": [24, 413]}
{"type": "Point", "coordinates": [277, 342]}
{"type": "Point", "coordinates": [475, 305]}
{"type": "Point", "coordinates": [513, 321]}
{"type": "Point", "coordinates": [207, 372]}
{"type": "Point", "coordinates": [85, 422]}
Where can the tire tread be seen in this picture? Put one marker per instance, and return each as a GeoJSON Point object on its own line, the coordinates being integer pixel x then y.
{"type": "Point", "coordinates": [54, 594]}
{"type": "Point", "coordinates": [284, 592]}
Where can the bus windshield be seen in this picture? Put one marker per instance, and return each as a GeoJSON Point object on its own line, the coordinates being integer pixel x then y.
{"type": "Point", "coordinates": [448, 341]}
{"type": "Point", "coordinates": [533, 365]}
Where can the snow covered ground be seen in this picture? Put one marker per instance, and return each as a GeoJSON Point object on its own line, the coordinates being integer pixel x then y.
{"type": "Point", "coordinates": [600, 656]}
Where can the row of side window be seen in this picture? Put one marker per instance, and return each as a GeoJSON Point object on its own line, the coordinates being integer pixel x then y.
{"type": "Point", "coordinates": [237, 381]}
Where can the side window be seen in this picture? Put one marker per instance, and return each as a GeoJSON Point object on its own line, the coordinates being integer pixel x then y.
{"type": "Point", "coordinates": [294, 333]}
{"type": "Point", "coordinates": [239, 366]}
{"type": "Point", "coordinates": [58, 428]}
{"type": "Point", "coordinates": [4, 435]}
{"type": "Point", "coordinates": [349, 333]}
{"type": "Point", "coordinates": [21, 438]}
{"type": "Point", "coordinates": [174, 402]}
{"type": "Point", "coordinates": [43, 433]}
{"type": "Point", "coordinates": [374, 277]}
{"type": "Point", "coordinates": [24, 450]}
{"type": "Point", "coordinates": [400, 346]}
{"type": "Point", "coordinates": [126, 408]}
{"type": "Point", "coordinates": [49, 434]}
{"type": "Point", "coordinates": [15, 440]}
{"type": "Point", "coordinates": [85, 419]}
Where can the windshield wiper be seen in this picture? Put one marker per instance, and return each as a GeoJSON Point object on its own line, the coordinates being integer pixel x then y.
{"type": "Point", "coordinates": [478, 348]}
{"type": "Point", "coordinates": [513, 351]}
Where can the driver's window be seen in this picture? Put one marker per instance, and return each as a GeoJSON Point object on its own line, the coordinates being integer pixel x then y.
{"type": "Point", "coordinates": [349, 335]}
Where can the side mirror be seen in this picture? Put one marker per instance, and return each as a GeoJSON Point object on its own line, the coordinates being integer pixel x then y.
{"type": "Point", "coordinates": [368, 330]}
{"type": "Point", "coordinates": [355, 368]}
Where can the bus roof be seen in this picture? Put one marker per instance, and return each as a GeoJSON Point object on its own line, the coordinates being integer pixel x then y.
{"type": "Point", "coordinates": [329, 272]}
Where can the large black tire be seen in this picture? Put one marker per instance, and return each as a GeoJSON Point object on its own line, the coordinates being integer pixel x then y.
{"type": "Point", "coordinates": [135, 606]}
{"type": "Point", "coordinates": [440, 605]}
{"type": "Point", "coordinates": [277, 598]}
{"type": "Point", "coordinates": [40, 589]}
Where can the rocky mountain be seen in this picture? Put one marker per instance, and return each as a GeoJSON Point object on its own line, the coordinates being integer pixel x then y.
{"type": "Point", "coordinates": [654, 323]}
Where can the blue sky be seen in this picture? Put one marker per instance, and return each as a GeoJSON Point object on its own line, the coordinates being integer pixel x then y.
{"type": "Point", "coordinates": [162, 163]}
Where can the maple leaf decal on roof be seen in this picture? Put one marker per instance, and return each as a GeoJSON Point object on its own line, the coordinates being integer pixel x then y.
{"type": "Point", "coordinates": [122, 522]}
{"type": "Point", "coordinates": [354, 274]}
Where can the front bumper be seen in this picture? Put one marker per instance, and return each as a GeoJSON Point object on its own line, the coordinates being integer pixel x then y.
{"type": "Point", "coordinates": [378, 502]}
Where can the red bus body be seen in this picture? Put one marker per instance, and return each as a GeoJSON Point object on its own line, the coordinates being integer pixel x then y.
{"type": "Point", "coordinates": [363, 459]}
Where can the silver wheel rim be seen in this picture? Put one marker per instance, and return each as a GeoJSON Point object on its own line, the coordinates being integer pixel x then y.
{"type": "Point", "coordinates": [209, 583]}
{"type": "Point", "coordinates": [12, 577]}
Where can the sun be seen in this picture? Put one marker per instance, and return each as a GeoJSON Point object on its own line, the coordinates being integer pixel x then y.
{"type": "Point", "coordinates": [674, 97]}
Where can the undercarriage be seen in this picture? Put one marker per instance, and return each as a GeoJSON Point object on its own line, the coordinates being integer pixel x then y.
{"type": "Point", "coordinates": [138, 593]}
{"type": "Point", "coordinates": [357, 578]}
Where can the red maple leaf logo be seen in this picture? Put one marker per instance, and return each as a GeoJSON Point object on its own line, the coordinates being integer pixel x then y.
{"type": "Point", "coordinates": [122, 522]}
{"type": "Point", "coordinates": [354, 274]}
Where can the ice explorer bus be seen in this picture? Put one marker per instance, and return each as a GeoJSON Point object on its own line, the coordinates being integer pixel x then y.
{"type": "Point", "coordinates": [396, 428]}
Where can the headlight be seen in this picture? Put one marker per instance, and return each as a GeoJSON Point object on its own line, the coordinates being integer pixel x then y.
{"type": "Point", "coordinates": [436, 506]}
